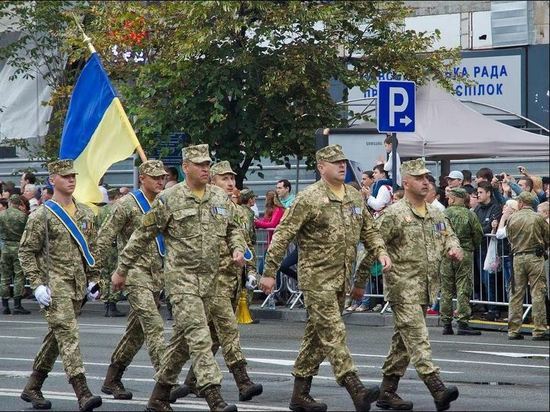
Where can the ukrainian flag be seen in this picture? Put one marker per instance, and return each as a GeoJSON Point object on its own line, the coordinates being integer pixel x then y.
{"type": "Point", "coordinates": [97, 132]}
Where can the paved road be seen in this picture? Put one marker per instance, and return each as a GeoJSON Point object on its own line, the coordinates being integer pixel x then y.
{"type": "Point", "coordinates": [491, 372]}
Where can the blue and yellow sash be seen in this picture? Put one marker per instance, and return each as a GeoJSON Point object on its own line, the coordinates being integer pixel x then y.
{"type": "Point", "coordinates": [145, 206]}
{"type": "Point", "coordinates": [73, 229]}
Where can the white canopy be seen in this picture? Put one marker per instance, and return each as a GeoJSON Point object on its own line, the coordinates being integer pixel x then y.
{"type": "Point", "coordinates": [448, 129]}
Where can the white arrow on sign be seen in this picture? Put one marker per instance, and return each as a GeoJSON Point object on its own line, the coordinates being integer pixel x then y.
{"type": "Point", "coordinates": [405, 120]}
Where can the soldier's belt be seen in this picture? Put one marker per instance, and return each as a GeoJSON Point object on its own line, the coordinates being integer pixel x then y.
{"type": "Point", "coordinates": [532, 252]}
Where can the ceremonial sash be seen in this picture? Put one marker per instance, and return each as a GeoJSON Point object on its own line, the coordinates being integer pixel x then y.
{"type": "Point", "coordinates": [145, 206]}
{"type": "Point", "coordinates": [73, 229]}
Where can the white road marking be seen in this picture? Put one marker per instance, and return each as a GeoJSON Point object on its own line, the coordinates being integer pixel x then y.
{"type": "Point", "coordinates": [490, 344]}
{"type": "Point", "coordinates": [18, 337]}
{"type": "Point", "coordinates": [509, 354]}
{"type": "Point", "coordinates": [182, 403]}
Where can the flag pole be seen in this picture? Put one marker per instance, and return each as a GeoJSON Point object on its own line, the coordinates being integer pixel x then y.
{"type": "Point", "coordinates": [92, 49]}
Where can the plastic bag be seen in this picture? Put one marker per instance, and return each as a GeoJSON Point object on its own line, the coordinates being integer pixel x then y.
{"type": "Point", "coordinates": [492, 261]}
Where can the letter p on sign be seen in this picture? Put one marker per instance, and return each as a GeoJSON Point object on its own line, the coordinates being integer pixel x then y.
{"type": "Point", "coordinates": [396, 106]}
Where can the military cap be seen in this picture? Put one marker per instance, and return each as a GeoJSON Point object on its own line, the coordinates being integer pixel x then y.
{"type": "Point", "coordinates": [415, 167]}
{"type": "Point", "coordinates": [15, 199]}
{"type": "Point", "coordinates": [152, 168]}
{"type": "Point", "coordinates": [527, 198]}
{"type": "Point", "coordinates": [62, 167]}
{"type": "Point", "coordinates": [459, 192]}
{"type": "Point", "coordinates": [221, 168]}
{"type": "Point", "coordinates": [196, 154]}
{"type": "Point", "coordinates": [246, 195]}
{"type": "Point", "coordinates": [331, 153]}
{"type": "Point", "coordinates": [113, 192]}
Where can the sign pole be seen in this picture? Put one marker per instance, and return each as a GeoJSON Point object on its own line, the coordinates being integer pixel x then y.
{"type": "Point", "coordinates": [394, 161]}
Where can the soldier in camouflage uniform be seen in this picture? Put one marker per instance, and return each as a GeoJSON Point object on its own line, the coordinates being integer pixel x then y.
{"type": "Point", "coordinates": [61, 279]}
{"type": "Point", "coordinates": [109, 296]}
{"type": "Point", "coordinates": [528, 234]}
{"type": "Point", "coordinates": [417, 237]}
{"type": "Point", "coordinates": [12, 225]}
{"type": "Point", "coordinates": [143, 282]}
{"type": "Point", "coordinates": [224, 329]}
{"type": "Point", "coordinates": [457, 276]}
{"type": "Point", "coordinates": [195, 218]}
{"type": "Point", "coordinates": [328, 220]}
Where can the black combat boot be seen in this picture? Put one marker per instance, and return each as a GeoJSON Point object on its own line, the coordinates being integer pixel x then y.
{"type": "Point", "coordinates": [247, 388]}
{"type": "Point", "coordinates": [33, 391]}
{"type": "Point", "coordinates": [215, 401]}
{"type": "Point", "coordinates": [301, 400]}
{"type": "Point", "coordinates": [160, 399]}
{"type": "Point", "coordinates": [362, 397]}
{"type": "Point", "coordinates": [114, 312]}
{"type": "Point", "coordinates": [86, 401]}
{"type": "Point", "coordinates": [6, 306]}
{"type": "Point", "coordinates": [113, 384]}
{"type": "Point", "coordinates": [442, 395]}
{"type": "Point", "coordinates": [18, 309]}
{"type": "Point", "coordinates": [189, 386]}
{"type": "Point", "coordinates": [448, 329]}
{"type": "Point", "coordinates": [388, 398]}
{"type": "Point", "coordinates": [465, 329]}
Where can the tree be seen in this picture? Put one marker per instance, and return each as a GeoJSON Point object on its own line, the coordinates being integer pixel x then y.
{"type": "Point", "coordinates": [251, 78]}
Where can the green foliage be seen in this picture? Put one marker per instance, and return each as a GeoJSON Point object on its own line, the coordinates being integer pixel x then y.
{"type": "Point", "coordinates": [251, 78]}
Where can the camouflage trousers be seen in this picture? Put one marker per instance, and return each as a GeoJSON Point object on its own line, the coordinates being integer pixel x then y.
{"type": "Point", "coordinates": [224, 329]}
{"type": "Point", "coordinates": [10, 270]}
{"type": "Point", "coordinates": [145, 324]}
{"type": "Point", "coordinates": [456, 277]}
{"type": "Point", "coordinates": [190, 340]}
{"type": "Point", "coordinates": [62, 338]}
{"type": "Point", "coordinates": [410, 342]}
{"type": "Point", "coordinates": [528, 269]}
{"type": "Point", "coordinates": [324, 337]}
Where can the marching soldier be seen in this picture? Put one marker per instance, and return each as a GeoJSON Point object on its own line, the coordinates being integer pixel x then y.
{"type": "Point", "coordinates": [12, 225]}
{"type": "Point", "coordinates": [417, 236]}
{"type": "Point", "coordinates": [528, 234]}
{"type": "Point", "coordinates": [327, 219]}
{"type": "Point", "coordinates": [224, 329]}
{"type": "Point", "coordinates": [457, 276]}
{"type": "Point", "coordinates": [55, 255]}
{"type": "Point", "coordinates": [195, 218]}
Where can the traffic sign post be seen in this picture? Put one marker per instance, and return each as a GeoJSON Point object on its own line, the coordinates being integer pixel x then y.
{"type": "Point", "coordinates": [395, 112]}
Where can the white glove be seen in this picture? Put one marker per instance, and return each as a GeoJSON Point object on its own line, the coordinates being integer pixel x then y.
{"type": "Point", "coordinates": [251, 283]}
{"type": "Point", "coordinates": [43, 295]}
{"type": "Point", "coordinates": [92, 295]}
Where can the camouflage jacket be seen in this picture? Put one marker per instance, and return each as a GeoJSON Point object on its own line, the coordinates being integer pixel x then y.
{"type": "Point", "coordinates": [249, 224]}
{"type": "Point", "coordinates": [125, 217]}
{"type": "Point", "coordinates": [327, 231]}
{"type": "Point", "coordinates": [193, 230]}
{"type": "Point", "coordinates": [65, 272]}
{"type": "Point", "coordinates": [12, 225]}
{"type": "Point", "coordinates": [416, 246]}
{"type": "Point", "coordinates": [466, 226]}
{"type": "Point", "coordinates": [526, 230]}
{"type": "Point", "coordinates": [229, 278]}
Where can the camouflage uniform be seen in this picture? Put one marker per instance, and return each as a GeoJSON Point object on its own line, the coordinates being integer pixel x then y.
{"type": "Point", "coordinates": [194, 230]}
{"type": "Point", "coordinates": [528, 234]}
{"type": "Point", "coordinates": [12, 225]}
{"type": "Point", "coordinates": [108, 295]}
{"type": "Point", "coordinates": [457, 276]}
{"type": "Point", "coordinates": [64, 272]}
{"type": "Point", "coordinates": [144, 279]}
{"type": "Point", "coordinates": [327, 230]}
{"type": "Point", "coordinates": [416, 246]}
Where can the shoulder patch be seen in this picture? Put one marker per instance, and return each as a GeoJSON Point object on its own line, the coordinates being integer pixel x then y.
{"type": "Point", "coordinates": [149, 219]}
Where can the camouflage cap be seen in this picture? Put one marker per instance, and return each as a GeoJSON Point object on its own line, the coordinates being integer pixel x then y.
{"type": "Point", "coordinates": [415, 167]}
{"type": "Point", "coordinates": [152, 168]}
{"type": "Point", "coordinates": [527, 198]}
{"type": "Point", "coordinates": [246, 195]}
{"type": "Point", "coordinates": [15, 199]}
{"type": "Point", "coordinates": [196, 154]}
{"type": "Point", "coordinates": [331, 153]}
{"type": "Point", "coordinates": [113, 192]}
{"type": "Point", "coordinates": [221, 168]}
{"type": "Point", "coordinates": [62, 167]}
{"type": "Point", "coordinates": [458, 192]}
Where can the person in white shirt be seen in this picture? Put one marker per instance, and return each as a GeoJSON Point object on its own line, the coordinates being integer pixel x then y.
{"type": "Point", "coordinates": [388, 165]}
{"type": "Point", "coordinates": [381, 195]}
{"type": "Point", "coordinates": [30, 194]}
{"type": "Point", "coordinates": [432, 199]}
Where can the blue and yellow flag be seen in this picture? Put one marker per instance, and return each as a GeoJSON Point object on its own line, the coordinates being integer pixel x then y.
{"type": "Point", "coordinates": [97, 132]}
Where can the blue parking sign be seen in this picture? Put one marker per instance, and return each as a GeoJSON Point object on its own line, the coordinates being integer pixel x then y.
{"type": "Point", "coordinates": [396, 106]}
